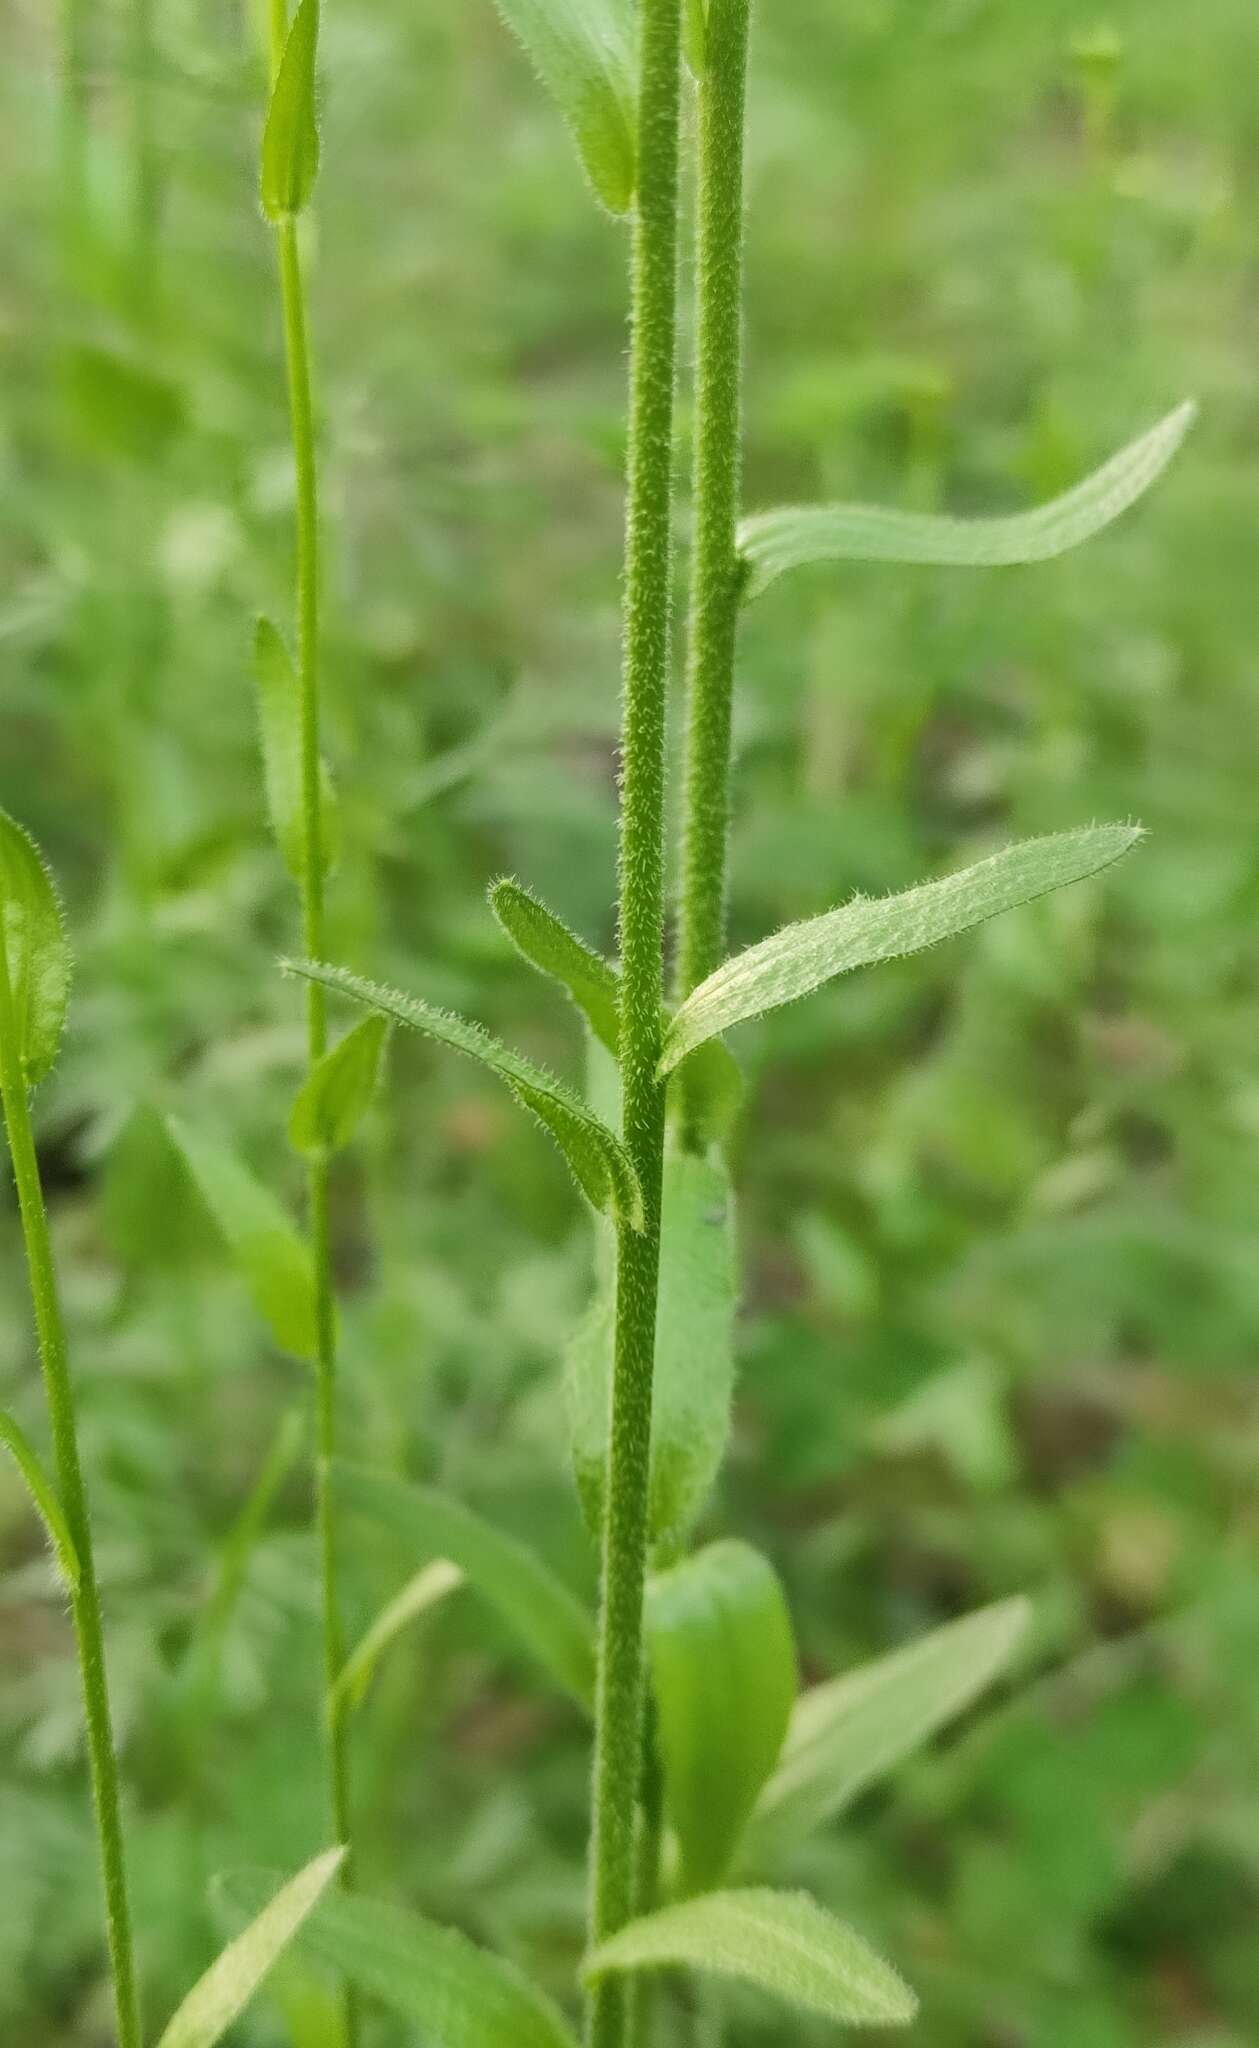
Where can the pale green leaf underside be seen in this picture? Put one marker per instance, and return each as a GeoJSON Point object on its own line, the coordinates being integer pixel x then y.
{"type": "Point", "coordinates": [548, 944]}
{"type": "Point", "coordinates": [581, 51]}
{"type": "Point", "coordinates": [796, 536]}
{"type": "Point", "coordinates": [723, 1665]}
{"type": "Point", "coordinates": [597, 1160]}
{"type": "Point", "coordinates": [290, 139]}
{"type": "Point", "coordinates": [802, 957]}
{"type": "Point", "coordinates": [231, 1980]}
{"type": "Point", "coordinates": [44, 1497]}
{"type": "Point", "coordinates": [422, 1592]}
{"type": "Point", "coordinates": [448, 1989]}
{"type": "Point", "coordinates": [274, 1261]}
{"type": "Point", "coordinates": [280, 732]}
{"type": "Point", "coordinates": [36, 950]}
{"type": "Point", "coordinates": [783, 1942]}
{"type": "Point", "coordinates": [337, 1094]}
{"type": "Point", "coordinates": [536, 1606]}
{"type": "Point", "coordinates": [848, 1733]}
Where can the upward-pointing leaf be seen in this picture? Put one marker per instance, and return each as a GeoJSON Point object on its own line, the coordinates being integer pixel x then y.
{"type": "Point", "coordinates": [801, 957]}
{"type": "Point", "coordinates": [599, 1163]}
{"type": "Point", "coordinates": [547, 944]}
{"type": "Point", "coordinates": [337, 1093]}
{"type": "Point", "coordinates": [35, 949]}
{"type": "Point", "coordinates": [44, 1495]}
{"type": "Point", "coordinates": [230, 1982]}
{"type": "Point", "coordinates": [280, 730]}
{"type": "Point", "coordinates": [581, 50]}
{"type": "Point", "coordinates": [274, 1261]}
{"type": "Point", "coordinates": [422, 1591]}
{"type": "Point", "coordinates": [794, 536]}
{"type": "Point", "coordinates": [290, 139]}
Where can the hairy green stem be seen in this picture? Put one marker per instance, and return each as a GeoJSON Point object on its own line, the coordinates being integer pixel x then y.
{"type": "Point", "coordinates": [85, 1602]}
{"type": "Point", "coordinates": [641, 1992]}
{"type": "Point", "coordinates": [648, 568]}
{"type": "Point", "coordinates": [716, 578]}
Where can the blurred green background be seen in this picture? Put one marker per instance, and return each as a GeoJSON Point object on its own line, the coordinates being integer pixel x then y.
{"type": "Point", "coordinates": [999, 1219]}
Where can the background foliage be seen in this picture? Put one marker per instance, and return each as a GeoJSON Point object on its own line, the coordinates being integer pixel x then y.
{"type": "Point", "coordinates": [1002, 1302]}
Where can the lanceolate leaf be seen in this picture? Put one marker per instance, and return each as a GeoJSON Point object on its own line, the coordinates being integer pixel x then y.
{"type": "Point", "coordinates": [274, 1261]}
{"type": "Point", "coordinates": [723, 1664]}
{"type": "Point", "coordinates": [35, 948]}
{"type": "Point", "coordinates": [599, 1164]}
{"type": "Point", "coordinates": [449, 1990]}
{"type": "Point", "coordinates": [290, 140]}
{"type": "Point", "coordinates": [280, 729]}
{"type": "Point", "coordinates": [796, 536]}
{"type": "Point", "coordinates": [431, 1584]}
{"type": "Point", "coordinates": [581, 51]}
{"type": "Point", "coordinates": [547, 944]}
{"type": "Point", "coordinates": [44, 1497]}
{"type": "Point", "coordinates": [337, 1094]}
{"type": "Point", "coordinates": [694, 1374]}
{"type": "Point", "coordinates": [527, 1596]}
{"type": "Point", "coordinates": [784, 1942]}
{"type": "Point", "coordinates": [801, 957]}
{"type": "Point", "coordinates": [231, 1981]}
{"type": "Point", "coordinates": [848, 1733]}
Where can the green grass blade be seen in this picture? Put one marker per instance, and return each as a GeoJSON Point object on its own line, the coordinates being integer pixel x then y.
{"type": "Point", "coordinates": [433, 1582]}
{"type": "Point", "coordinates": [36, 949]}
{"type": "Point", "coordinates": [581, 51]}
{"type": "Point", "coordinates": [274, 1260]}
{"type": "Point", "coordinates": [44, 1497]}
{"type": "Point", "coordinates": [232, 1979]}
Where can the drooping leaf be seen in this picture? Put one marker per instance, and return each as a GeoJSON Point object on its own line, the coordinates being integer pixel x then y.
{"type": "Point", "coordinates": [446, 1987]}
{"type": "Point", "coordinates": [274, 1261]}
{"type": "Point", "coordinates": [290, 139]}
{"type": "Point", "coordinates": [433, 1582]}
{"type": "Point", "coordinates": [723, 1666]}
{"type": "Point", "coordinates": [44, 1497]}
{"type": "Point", "coordinates": [280, 731]}
{"type": "Point", "coordinates": [801, 957]}
{"type": "Point", "coordinates": [796, 536]}
{"type": "Point", "coordinates": [337, 1094]}
{"type": "Point", "coordinates": [784, 1942]}
{"type": "Point", "coordinates": [581, 51]}
{"type": "Point", "coordinates": [35, 948]}
{"type": "Point", "coordinates": [598, 1161]}
{"type": "Point", "coordinates": [694, 1373]}
{"type": "Point", "coordinates": [232, 1979]}
{"type": "Point", "coordinates": [525, 1593]}
{"type": "Point", "coordinates": [848, 1733]}
{"type": "Point", "coordinates": [547, 944]}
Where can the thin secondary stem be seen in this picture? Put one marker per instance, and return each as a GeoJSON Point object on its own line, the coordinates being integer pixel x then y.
{"type": "Point", "coordinates": [716, 578]}
{"type": "Point", "coordinates": [85, 1602]}
{"type": "Point", "coordinates": [648, 565]}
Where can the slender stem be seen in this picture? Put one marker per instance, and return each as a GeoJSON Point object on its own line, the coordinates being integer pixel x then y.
{"type": "Point", "coordinates": [85, 1603]}
{"type": "Point", "coordinates": [716, 578]}
{"type": "Point", "coordinates": [648, 565]}
{"type": "Point", "coordinates": [641, 1993]}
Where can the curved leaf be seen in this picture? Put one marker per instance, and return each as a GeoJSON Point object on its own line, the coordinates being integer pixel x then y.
{"type": "Point", "coordinates": [535, 1605]}
{"type": "Point", "coordinates": [290, 139]}
{"type": "Point", "coordinates": [848, 1733]}
{"type": "Point", "coordinates": [801, 957]}
{"type": "Point", "coordinates": [35, 947]}
{"type": "Point", "coordinates": [280, 732]}
{"type": "Point", "coordinates": [232, 1979]}
{"type": "Point", "coordinates": [581, 51]}
{"type": "Point", "coordinates": [274, 1261]}
{"type": "Point", "coordinates": [784, 1942]}
{"type": "Point", "coordinates": [422, 1591]}
{"type": "Point", "coordinates": [599, 1164]}
{"type": "Point", "coordinates": [547, 944]}
{"type": "Point", "coordinates": [723, 1663]}
{"type": "Point", "coordinates": [337, 1094]}
{"type": "Point", "coordinates": [44, 1497]}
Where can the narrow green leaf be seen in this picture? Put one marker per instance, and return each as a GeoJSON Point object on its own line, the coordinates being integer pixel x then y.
{"type": "Point", "coordinates": [547, 944]}
{"type": "Point", "coordinates": [35, 947]}
{"type": "Point", "coordinates": [451, 1991]}
{"type": "Point", "coordinates": [783, 1942]}
{"type": "Point", "coordinates": [695, 35]}
{"type": "Point", "coordinates": [801, 957]}
{"type": "Point", "coordinates": [337, 1094]}
{"type": "Point", "coordinates": [44, 1497]}
{"type": "Point", "coordinates": [422, 1591]}
{"type": "Point", "coordinates": [597, 1160]}
{"type": "Point", "coordinates": [694, 1373]}
{"type": "Point", "coordinates": [581, 51]}
{"type": "Point", "coordinates": [290, 139]}
{"type": "Point", "coordinates": [231, 1981]}
{"type": "Point", "coordinates": [280, 731]}
{"type": "Point", "coordinates": [853, 1730]}
{"type": "Point", "coordinates": [723, 1664]}
{"type": "Point", "coordinates": [527, 1596]}
{"type": "Point", "coordinates": [274, 1261]}
{"type": "Point", "coordinates": [796, 536]}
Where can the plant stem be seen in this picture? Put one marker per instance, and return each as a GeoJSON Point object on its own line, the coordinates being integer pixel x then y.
{"type": "Point", "coordinates": [648, 566]}
{"type": "Point", "coordinates": [297, 354]}
{"type": "Point", "coordinates": [716, 579]}
{"type": "Point", "coordinates": [85, 1602]}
